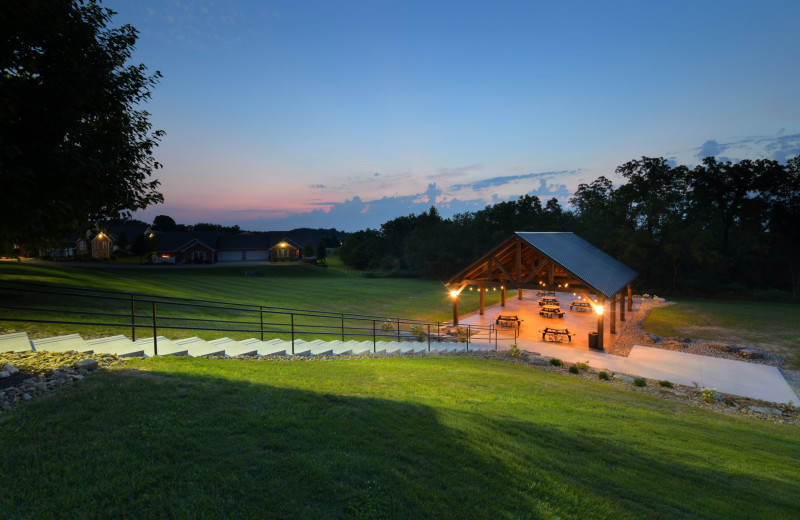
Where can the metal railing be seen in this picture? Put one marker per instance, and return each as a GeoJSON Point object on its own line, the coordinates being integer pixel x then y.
{"type": "Point", "coordinates": [67, 305]}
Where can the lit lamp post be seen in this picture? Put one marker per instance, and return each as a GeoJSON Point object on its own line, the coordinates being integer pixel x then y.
{"type": "Point", "coordinates": [454, 296]}
{"type": "Point", "coordinates": [599, 310]}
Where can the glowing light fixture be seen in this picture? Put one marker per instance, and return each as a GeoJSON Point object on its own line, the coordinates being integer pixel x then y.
{"type": "Point", "coordinates": [598, 309]}
{"type": "Point", "coordinates": [454, 294]}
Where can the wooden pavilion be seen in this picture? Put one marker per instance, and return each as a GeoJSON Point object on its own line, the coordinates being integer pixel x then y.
{"type": "Point", "coordinates": [550, 261]}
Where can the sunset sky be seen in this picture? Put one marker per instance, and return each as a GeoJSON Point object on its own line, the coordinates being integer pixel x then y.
{"type": "Point", "coordinates": [345, 114]}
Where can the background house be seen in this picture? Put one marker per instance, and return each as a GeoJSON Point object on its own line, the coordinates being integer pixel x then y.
{"type": "Point", "coordinates": [284, 250]}
{"type": "Point", "coordinates": [102, 245]}
{"type": "Point", "coordinates": [187, 247]}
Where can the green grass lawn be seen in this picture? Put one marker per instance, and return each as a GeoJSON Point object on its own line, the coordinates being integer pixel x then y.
{"type": "Point", "coordinates": [773, 327]}
{"type": "Point", "coordinates": [297, 285]}
{"type": "Point", "coordinates": [438, 437]}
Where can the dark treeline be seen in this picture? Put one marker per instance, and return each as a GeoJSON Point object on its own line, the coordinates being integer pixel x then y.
{"type": "Point", "coordinates": [721, 227]}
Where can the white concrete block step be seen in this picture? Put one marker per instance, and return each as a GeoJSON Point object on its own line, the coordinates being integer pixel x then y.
{"type": "Point", "coordinates": [318, 347]}
{"type": "Point", "coordinates": [61, 344]}
{"type": "Point", "coordinates": [165, 347]}
{"type": "Point", "coordinates": [274, 347]}
{"type": "Point", "coordinates": [197, 347]}
{"type": "Point", "coordinates": [15, 342]}
{"type": "Point", "coordinates": [118, 345]}
{"type": "Point", "coordinates": [245, 347]}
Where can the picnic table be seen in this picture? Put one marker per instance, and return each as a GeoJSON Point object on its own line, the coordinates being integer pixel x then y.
{"type": "Point", "coordinates": [579, 305]}
{"type": "Point", "coordinates": [508, 320]}
{"type": "Point", "coordinates": [549, 301]}
{"type": "Point", "coordinates": [545, 293]}
{"type": "Point", "coordinates": [551, 311]}
{"type": "Point", "coordinates": [557, 335]}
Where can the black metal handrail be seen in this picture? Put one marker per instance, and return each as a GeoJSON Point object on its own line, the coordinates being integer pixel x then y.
{"type": "Point", "coordinates": [346, 324]}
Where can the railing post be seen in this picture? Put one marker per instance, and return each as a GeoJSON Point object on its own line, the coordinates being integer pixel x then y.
{"type": "Point", "coordinates": [429, 337]}
{"type": "Point", "coordinates": [261, 320]}
{"type": "Point", "coordinates": [291, 316]}
{"type": "Point", "coordinates": [342, 327]}
{"type": "Point", "coordinates": [155, 332]}
{"type": "Point", "coordinates": [374, 341]}
{"type": "Point", "coordinates": [133, 318]}
{"type": "Point", "coordinates": [495, 337]}
{"type": "Point", "coordinates": [398, 329]}
{"type": "Point", "coordinates": [469, 328]}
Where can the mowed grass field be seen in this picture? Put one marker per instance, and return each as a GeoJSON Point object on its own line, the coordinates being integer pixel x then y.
{"type": "Point", "coordinates": [429, 437]}
{"type": "Point", "coordinates": [774, 327]}
{"type": "Point", "coordinates": [296, 286]}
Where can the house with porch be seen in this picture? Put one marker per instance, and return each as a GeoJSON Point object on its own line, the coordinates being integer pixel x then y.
{"type": "Point", "coordinates": [187, 247]}
{"type": "Point", "coordinates": [284, 251]}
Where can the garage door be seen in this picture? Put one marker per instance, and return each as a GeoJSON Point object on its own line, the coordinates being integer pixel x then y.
{"type": "Point", "coordinates": [256, 255]}
{"type": "Point", "coordinates": [229, 256]}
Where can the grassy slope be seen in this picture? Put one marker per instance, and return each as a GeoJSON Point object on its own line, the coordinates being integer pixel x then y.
{"type": "Point", "coordinates": [392, 438]}
{"type": "Point", "coordinates": [770, 326]}
{"type": "Point", "coordinates": [288, 285]}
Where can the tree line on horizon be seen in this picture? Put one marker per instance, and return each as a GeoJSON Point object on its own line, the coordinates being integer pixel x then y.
{"type": "Point", "coordinates": [719, 228]}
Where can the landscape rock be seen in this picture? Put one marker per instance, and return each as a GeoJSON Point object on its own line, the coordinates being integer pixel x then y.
{"type": "Point", "coordinates": [86, 364]}
{"type": "Point", "coordinates": [37, 373]}
{"type": "Point", "coordinates": [751, 353]}
{"type": "Point", "coordinates": [766, 409]}
{"type": "Point", "coordinates": [11, 369]}
{"type": "Point", "coordinates": [4, 373]}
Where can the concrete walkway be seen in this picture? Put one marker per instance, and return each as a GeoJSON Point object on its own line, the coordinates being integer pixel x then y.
{"type": "Point", "coordinates": [727, 376]}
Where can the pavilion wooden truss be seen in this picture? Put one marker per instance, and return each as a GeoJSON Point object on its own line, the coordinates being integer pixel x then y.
{"type": "Point", "coordinates": [549, 261]}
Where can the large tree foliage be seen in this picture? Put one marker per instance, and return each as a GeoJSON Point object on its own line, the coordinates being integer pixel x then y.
{"type": "Point", "coordinates": [720, 227]}
{"type": "Point", "coordinates": [75, 145]}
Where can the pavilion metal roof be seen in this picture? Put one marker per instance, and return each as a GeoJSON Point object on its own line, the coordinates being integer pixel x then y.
{"type": "Point", "coordinates": [588, 263]}
{"type": "Point", "coordinates": [519, 261]}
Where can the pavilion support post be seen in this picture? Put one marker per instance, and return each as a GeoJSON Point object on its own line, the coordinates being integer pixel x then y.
{"type": "Point", "coordinates": [630, 300]}
{"type": "Point", "coordinates": [612, 318]}
{"type": "Point", "coordinates": [622, 306]}
{"type": "Point", "coordinates": [503, 296]}
{"type": "Point", "coordinates": [455, 310]}
{"type": "Point", "coordinates": [519, 293]}
{"type": "Point", "coordinates": [601, 302]}
{"type": "Point", "coordinates": [482, 292]}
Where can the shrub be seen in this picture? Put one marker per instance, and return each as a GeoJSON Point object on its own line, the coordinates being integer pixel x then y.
{"type": "Point", "coordinates": [387, 325]}
{"type": "Point", "coordinates": [582, 366]}
{"type": "Point", "coordinates": [708, 394]}
{"type": "Point", "coordinates": [556, 362]}
{"type": "Point", "coordinates": [639, 381]}
{"type": "Point", "coordinates": [514, 351]}
{"type": "Point", "coordinates": [665, 383]}
{"type": "Point", "coordinates": [573, 369]}
{"type": "Point", "coordinates": [603, 375]}
{"type": "Point", "coordinates": [418, 331]}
